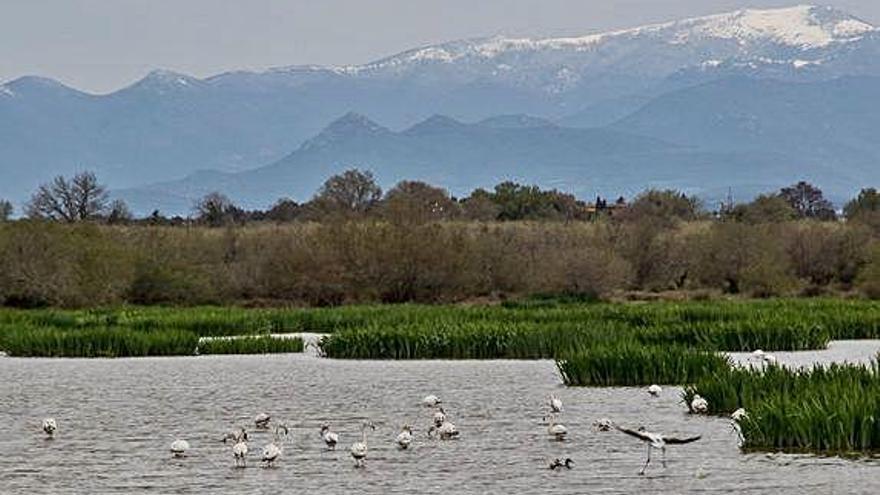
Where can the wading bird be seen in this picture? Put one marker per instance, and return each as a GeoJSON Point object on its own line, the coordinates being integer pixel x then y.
{"type": "Point", "coordinates": [49, 426]}
{"type": "Point", "coordinates": [439, 417]}
{"type": "Point", "coordinates": [655, 390]}
{"type": "Point", "coordinates": [446, 431]}
{"type": "Point", "coordinates": [556, 430]}
{"type": "Point", "coordinates": [262, 421]}
{"type": "Point", "coordinates": [179, 448]}
{"type": "Point", "coordinates": [431, 400]}
{"type": "Point", "coordinates": [330, 439]}
{"type": "Point", "coordinates": [739, 415]}
{"type": "Point", "coordinates": [359, 449]}
{"type": "Point", "coordinates": [555, 404]}
{"type": "Point", "coordinates": [699, 405]}
{"type": "Point", "coordinates": [735, 418]}
{"type": "Point", "coordinates": [656, 441]}
{"type": "Point", "coordinates": [559, 464]}
{"type": "Point", "coordinates": [405, 437]}
{"type": "Point", "coordinates": [272, 452]}
{"type": "Point", "coordinates": [239, 447]}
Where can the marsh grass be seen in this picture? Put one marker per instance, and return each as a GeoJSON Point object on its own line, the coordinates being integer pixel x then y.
{"type": "Point", "coordinates": [828, 409]}
{"type": "Point", "coordinates": [627, 364]}
{"type": "Point", "coordinates": [96, 342]}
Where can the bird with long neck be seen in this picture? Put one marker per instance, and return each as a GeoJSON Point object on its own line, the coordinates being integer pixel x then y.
{"type": "Point", "coordinates": [556, 430]}
{"type": "Point", "coordinates": [359, 449]}
{"type": "Point", "coordinates": [272, 452]}
{"type": "Point", "coordinates": [405, 437]}
{"type": "Point", "coordinates": [330, 438]}
{"type": "Point", "coordinates": [239, 447]}
{"type": "Point", "coordinates": [656, 441]}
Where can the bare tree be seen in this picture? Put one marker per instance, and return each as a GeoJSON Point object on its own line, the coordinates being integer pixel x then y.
{"type": "Point", "coordinates": [119, 213]}
{"type": "Point", "coordinates": [5, 210]}
{"type": "Point", "coordinates": [216, 209]}
{"type": "Point", "coordinates": [78, 199]}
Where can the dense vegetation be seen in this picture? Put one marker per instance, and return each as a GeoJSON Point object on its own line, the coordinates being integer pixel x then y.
{"type": "Point", "coordinates": [826, 409]}
{"type": "Point", "coordinates": [353, 244]}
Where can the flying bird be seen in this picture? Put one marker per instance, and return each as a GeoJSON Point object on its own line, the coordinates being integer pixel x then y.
{"type": "Point", "coordinates": [656, 441]}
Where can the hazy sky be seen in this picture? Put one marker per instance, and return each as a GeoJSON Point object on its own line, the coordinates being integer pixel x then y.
{"type": "Point", "coordinates": [102, 45]}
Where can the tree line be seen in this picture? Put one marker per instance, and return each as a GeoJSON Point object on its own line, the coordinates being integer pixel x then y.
{"type": "Point", "coordinates": [355, 195]}
{"type": "Point", "coordinates": [352, 243]}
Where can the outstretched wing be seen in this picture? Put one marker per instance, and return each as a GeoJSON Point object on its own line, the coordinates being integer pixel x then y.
{"type": "Point", "coordinates": [673, 441]}
{"type": "Point", "coordinates": [637, 434]}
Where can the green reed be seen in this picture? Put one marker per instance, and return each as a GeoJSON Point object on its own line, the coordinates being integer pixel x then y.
{"type": "Point", "coordinates": [96, 342]}
{"type": "Point", "coordinates": [632, 364]}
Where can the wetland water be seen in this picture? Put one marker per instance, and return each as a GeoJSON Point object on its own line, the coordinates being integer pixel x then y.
{"type": "Point", "coordinates": [117, 418]}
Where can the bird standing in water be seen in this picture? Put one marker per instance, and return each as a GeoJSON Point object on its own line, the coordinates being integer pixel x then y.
{"type": "Point", "coordinates": [656, 441]}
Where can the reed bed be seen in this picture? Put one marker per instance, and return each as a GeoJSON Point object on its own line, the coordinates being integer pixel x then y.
{"type": "Point", "coordinates": [628, 364]}
{"type": "Point", "coordinates": [827, 409]}
{"type": "Point", "coordinates": [96, 343]}
{"type": "Point", "coordinates": [542, 328]}
{"type": "Point", "coordinates": [251, 344]}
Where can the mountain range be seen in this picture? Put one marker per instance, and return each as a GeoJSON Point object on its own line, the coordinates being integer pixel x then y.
{"type": "Point", "coordinates": [748, 100]}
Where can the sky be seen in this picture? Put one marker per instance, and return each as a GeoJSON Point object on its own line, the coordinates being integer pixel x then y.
{"type": "Point", "coordinates": [102, 45]}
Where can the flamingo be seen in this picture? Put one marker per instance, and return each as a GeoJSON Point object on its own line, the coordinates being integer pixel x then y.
{"type": "Point", "coordinates": [359, 449]}
{"type": "Point", "coordinates": [439, 417]}
{"type": "Point", "coordinates": [262, 421]}
{"type": "Point", "coordinates": [431, 400]}
{"type": "Point", "coordinates": [555, 404]}
{"type": "Point", "coordinates": [405, 437]}
{"type": "Point", "coordinates": [656, 441]}
{"type": "Point", "coordinates": [179, 448]}
{"type": "Point", "coordinates": [272, 452]}
{"type": "Point", "coordinates": [559, 464]}
{"type": "Point", "coordinates": [240, 447]}
{"type": "Point", "coordinates": [699, 405]}
{"type": "Point", "coordinates": [49, 426]}
{"type": "Point", "coordinates": [330, 438]}
{"type": "Point", "coordinates": [739, 415]}
{"type": "Point", "coordinates": [735, 418]}
{"type": "Point", "coordinates": [556, 430]}
{"type": "Point", "coordinates": [446, 431]}
{"type": "Point", "coordinates": [236, 436]}
{"type": "Point", "coordinates": [655, 390]}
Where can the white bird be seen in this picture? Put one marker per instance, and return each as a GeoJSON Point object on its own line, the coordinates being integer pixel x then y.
{"type": "Point", "coordinates": [446, 431]}
{"type": "Point", "coordinates": [770, 359]}
{"type": "Point", "coordinates": [603, 424]}
{"type": "Point", "coordinates": [49, 426]}
{"type": "Point", "coordinates": [739, 415]}
{"type": "Point", "coordinates": [359, 449]}
{"type": "Point", "coordinates": [699, 405]}
{"type": "Point", "coordinates": [330, 438]}
{"type": "Point", "coordinates": [272, 452]}
{"type": "Point", "coordinates": [239, 453]}
{"type": "Point", "coordinates": [555, 404]}
{"type": "Point", "coordinates": [240, 446]}
{"type": "Point", "coordinates": [655, 390]}
{"type": "Point", "coordinates": [757, 354]}
{"type": "Point", "coordinates": [405, 437]}
{"type": "Point", "coordinates": [556, 430]}
{"type": "Point", "coordinates": [179, 448]}
{"type": "Point", "coordinates": [439, 417]}
{"type": "Point", "coordinates": [656, 441]}
{"type": "Point", "coordinates": [431, 400]}
{"type": "Point", "coordinates": [262, 421]}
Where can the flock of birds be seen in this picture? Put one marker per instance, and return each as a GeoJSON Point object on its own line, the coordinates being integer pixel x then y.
{"type": "Point", "coordinates": [444, 429]}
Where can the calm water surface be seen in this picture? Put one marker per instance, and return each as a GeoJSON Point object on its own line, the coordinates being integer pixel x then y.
{"type": "Point", "coordinates": [117, 418]}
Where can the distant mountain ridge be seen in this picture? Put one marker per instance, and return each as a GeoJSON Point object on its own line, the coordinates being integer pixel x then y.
{"type": "Point", "coordinates": [168, 126]}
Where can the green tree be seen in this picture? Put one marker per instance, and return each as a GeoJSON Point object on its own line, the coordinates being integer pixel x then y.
{"type": "Point", "coordinates": [808, 201]}
{"type": "Point", "coordinates": [766, 208]}
{"type": "Point", "coordinates": [663, 207]}
{"type": "Point", "coordinates": [865, 209]}
{"type": "Point", "coordinates": [418, 202]}
{"type": "Point", "coordinates": [216, 210]}
{"type": "Point", "coordinates": [349, 194]}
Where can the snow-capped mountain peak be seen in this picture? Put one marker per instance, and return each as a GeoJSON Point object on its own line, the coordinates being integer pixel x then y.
{"type": "Point", "coordinates": [801, 27]}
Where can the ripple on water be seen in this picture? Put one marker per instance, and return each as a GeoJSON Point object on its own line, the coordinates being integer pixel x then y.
{"type": "Point", "coordinates": [117, 419]}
